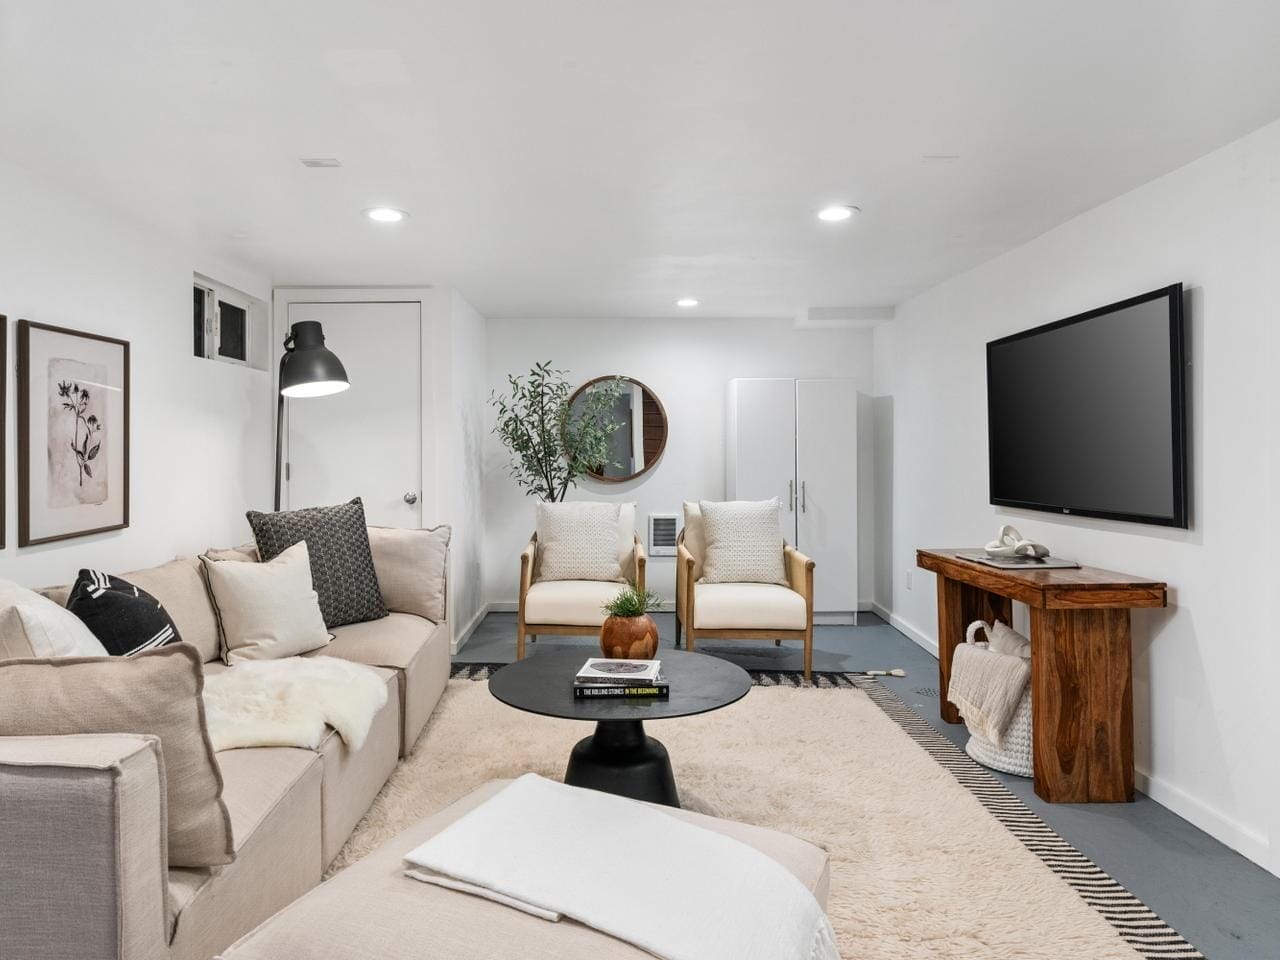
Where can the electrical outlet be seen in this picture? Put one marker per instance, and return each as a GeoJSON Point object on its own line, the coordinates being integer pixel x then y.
{"type": "Point", "coordinates": [908, 579]}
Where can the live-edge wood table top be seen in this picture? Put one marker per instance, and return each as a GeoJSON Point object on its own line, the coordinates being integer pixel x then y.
{"type": "Point", "coordinates": [1052, 589]}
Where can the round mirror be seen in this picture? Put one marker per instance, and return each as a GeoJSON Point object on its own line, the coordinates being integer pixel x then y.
{"type": "Point", "coordinates": [639, 423]}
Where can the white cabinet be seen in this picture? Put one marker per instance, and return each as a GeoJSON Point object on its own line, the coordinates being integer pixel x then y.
{"type": "Point", "coordinates": [797, 440]}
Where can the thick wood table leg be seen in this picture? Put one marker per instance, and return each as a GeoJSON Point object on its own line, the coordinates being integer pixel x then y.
{"type": "Point", "coordinates": [1082, 705]}
{"type": "Point", "coordinates": [959, 604]}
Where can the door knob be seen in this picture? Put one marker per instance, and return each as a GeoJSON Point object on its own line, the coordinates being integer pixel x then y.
{"type": "Point", "coordinates": [411, 498]}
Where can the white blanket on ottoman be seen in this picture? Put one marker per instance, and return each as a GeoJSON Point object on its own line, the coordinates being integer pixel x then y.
{"type": "Point", "coordinates": [666, 886]}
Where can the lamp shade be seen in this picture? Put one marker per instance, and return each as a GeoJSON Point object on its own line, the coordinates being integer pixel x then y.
{"type": "Point", "coordinates": [309, 368]}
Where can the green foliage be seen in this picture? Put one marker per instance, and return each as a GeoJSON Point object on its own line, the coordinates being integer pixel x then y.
{"type": "Point", "coordinates": [552, 443]}
{"type": "Point", "coordinates": [632, 603]}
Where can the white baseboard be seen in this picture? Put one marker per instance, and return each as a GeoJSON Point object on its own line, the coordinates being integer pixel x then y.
{"type": "Point", "coordinates": [503, 606]}
{"type": "Point", "coordinates": [460, 637]}
{"type": "Point", "coordinates": [1241, 838]}
{"type": "Point", "coordinates": [914, 633]}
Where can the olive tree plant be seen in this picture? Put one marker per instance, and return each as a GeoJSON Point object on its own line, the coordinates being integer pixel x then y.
{"type": "Point", "coordinates": [551, 441]}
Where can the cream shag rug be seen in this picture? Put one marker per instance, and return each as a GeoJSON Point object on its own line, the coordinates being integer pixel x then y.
{"type": "Point", "coordinates": [919, 868]}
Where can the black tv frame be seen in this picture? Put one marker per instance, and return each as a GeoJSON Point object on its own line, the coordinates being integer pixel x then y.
{"type": "Point", "coordinates": [1177, 401]}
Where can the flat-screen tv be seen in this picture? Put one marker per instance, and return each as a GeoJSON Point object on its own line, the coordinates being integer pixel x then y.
{"type": "Point", "coordinates": [1087, 415]}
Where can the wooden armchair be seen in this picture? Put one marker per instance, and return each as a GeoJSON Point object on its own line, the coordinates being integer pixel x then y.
{"type": "Point", "coordinates": [745, 611]}
{"type": "Point", "coordinates": [567, 607]}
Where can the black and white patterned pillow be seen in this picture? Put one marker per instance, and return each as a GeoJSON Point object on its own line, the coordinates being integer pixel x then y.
{"type": "Point", "coordinates": [125, 618]}
{"type": "Point", "coordinates": [342, 573]}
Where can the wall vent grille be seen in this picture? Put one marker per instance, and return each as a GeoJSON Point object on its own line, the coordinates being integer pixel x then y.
{"type": "Point", "coordinates": [663, 530]}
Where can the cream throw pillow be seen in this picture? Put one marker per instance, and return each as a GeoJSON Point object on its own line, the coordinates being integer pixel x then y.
{"type": "Point", "coordinates": [267, 610]}
{"type": "Point", "coordinates": [743, 542]}
{"type": "Point", "coordinates": [578, 541]}
{"type": "Point", "coordinates": [694, 540]}
{"type": "Point", "coordinates": [156, 693]}
{"type": "Point", "coordinates": [35, 626]}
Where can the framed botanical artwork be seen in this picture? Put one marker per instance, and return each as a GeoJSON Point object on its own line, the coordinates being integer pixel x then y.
{"type": "Point", "coordinates": [73, 433]}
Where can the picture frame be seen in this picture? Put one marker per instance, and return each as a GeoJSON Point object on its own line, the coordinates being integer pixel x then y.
{"type": "Point", "coordinates": [73, 433]}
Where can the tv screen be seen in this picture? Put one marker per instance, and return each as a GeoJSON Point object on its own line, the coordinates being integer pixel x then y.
{"type": "Point", "coordinates": [1086, 415]}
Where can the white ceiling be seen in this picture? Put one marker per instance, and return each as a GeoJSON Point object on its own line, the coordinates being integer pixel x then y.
{"type": "Point", "coordinates": [600, 158]}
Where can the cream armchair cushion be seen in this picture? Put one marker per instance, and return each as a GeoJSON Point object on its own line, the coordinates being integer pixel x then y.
{"type": "Point", "coordinates": [748, 606]}
{"type": "Point", "coordinates": [578, 541]}
{"type": "Point", "coordinates": [568, 602]}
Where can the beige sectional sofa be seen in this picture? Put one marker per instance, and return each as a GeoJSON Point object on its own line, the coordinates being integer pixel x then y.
{"type": "Point", "coordinates": [82, 818]}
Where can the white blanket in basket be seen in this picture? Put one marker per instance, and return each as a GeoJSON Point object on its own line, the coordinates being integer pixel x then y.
{"type": "Point", "coordinates": [667, 886]}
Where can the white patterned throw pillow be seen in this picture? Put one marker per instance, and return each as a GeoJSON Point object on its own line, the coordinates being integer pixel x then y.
{"type": "Point", "coordinates": [743, 542]}
{"type": "Point", "coordinates": [578, 541]}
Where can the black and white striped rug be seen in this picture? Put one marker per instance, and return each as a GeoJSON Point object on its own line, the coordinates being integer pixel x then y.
{"type": "Point", "coordinates": [1136, 923]}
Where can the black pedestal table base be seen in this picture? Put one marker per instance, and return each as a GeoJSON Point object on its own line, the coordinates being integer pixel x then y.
{"type": "Point", "coordinates": [620, 758]}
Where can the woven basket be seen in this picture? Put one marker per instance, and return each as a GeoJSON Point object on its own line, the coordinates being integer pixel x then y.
{"type": "Point", "coordinates": [1014, 753]}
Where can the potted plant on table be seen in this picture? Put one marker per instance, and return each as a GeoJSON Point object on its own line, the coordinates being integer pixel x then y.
{"type": "Point", "coordinates": [629, 632]}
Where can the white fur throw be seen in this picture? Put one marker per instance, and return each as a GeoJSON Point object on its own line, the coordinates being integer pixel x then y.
{"type": "Point", "coordinates": [287, 703]}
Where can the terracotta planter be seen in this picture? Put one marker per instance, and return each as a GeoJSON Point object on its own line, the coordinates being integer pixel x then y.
{"type": "Point", "coordinates": [634, 638]}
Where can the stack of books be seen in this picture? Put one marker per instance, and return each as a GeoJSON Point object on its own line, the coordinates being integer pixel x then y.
{"type": "Point", "coordinates": [642, 679]}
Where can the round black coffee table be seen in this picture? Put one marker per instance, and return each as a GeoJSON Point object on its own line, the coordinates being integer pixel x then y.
{"type": "Point", "coordinates": [619, 757]}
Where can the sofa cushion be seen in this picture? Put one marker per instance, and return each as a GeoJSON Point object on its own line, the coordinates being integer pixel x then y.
{"type": "Point", "coordinates": [743, 542]}
{"type": "Point", "coordinates": [569, 602]}
{"type": "Point", "coordinates": [158, 692]}
{"type": "Point", "coordinates": [124, 617]}
{"type": "Point", "coordinates": [33, 625]}
{"type": "Point", "coordinates": [371, 911]}
{"type": "Point", "coordinates": [747, 606]}
{"type": "Point", "coordinates": [352, 778]}
{"type": "Point", "coordinates": [274, 795]}
{"type": "Point", "coordinates": [411, 567]}
{"type": "Point", "coordinates": [341, 563]}
{"type": "Point", "coordinates": [179, 585]}
{"type": "Point", "coordinates": [578, 541]}
{"type": "Point", "coordinates": [267, 610]}
{"type": "Point", "coordinates": [416, 648]}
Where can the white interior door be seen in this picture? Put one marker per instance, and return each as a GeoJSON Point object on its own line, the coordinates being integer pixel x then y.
{"type": "Point", "coordinates": [365, 441]}
{"type": "Point", "coordinates": [827, 469]}
{"type": "Point", "coordinates": [761, 445]}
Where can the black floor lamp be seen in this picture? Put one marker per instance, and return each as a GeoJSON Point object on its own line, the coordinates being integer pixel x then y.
{"type": "Point", "coordinates": [307, 369]}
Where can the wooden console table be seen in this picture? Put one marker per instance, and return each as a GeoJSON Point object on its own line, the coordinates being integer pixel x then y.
{"type": "Point", "coordinates": [1081, 664]}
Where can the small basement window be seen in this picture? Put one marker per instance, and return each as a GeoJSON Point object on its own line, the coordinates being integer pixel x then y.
{"type": "Point", "coordinates": [222, 322]}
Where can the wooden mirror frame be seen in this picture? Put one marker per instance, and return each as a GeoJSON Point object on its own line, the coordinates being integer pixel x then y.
{"type": "Point", "coordinates": [666, 425]}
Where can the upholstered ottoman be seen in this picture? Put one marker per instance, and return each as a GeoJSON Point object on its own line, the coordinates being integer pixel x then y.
{"type": "Point", "coordinates": [370, 911]}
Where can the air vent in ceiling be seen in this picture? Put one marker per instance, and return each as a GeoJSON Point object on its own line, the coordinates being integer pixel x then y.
{"type": "Point", "coordinates": [663, 528]}
{"type": "Point", "coordinates": [321, 162]}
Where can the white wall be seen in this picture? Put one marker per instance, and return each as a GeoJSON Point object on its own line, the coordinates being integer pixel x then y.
{"type": "Point", "coordinates": [201, 430]}
{"type": "Point", "coordinates": [1205, 669]}
{"type": "Point", "coordinates": [465, 426]}
{"type": "Point", "coordinates": [688, 364]}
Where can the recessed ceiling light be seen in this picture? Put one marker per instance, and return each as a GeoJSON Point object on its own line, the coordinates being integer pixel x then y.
{"type": "Point", "coordinates": [320, 162]}
{"type": "Point", "coordinates": [385, 214]}
{"type": "Point", "coordinates": [686, 302]}
{"type": "Point", "coordinates": [838, 212]}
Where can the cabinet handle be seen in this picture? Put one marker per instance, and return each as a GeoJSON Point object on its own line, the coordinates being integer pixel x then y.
{"type": "Point", "coordinates": [411, 498]}
{"type": "Point", "coordinates": [791, 496]}
{"type": "Point", "coordinates": [804, 499]}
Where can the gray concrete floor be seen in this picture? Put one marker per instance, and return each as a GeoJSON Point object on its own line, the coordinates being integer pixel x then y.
{"type": "Point", "coordinates": [1224, 904]}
